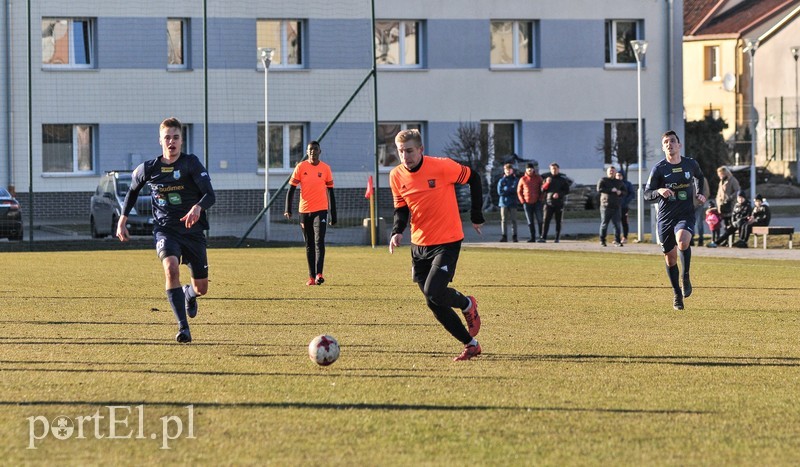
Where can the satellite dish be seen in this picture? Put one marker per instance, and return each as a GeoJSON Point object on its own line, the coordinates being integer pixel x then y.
{"type": "Point", "coordinates": [729, 82]}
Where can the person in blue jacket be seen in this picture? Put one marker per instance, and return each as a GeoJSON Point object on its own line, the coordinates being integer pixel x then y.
{"type": "Point", "coordinates": [507, 189]}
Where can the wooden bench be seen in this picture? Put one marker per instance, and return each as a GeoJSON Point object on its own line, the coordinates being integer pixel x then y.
{"type": "Point", "coordinates": [771, 230]}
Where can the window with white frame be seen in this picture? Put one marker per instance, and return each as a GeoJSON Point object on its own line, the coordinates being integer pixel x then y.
{"type": "Point", "coordinates": [619, 34]}
{"type": "Point", "coordinates": [67, 42]}
{"type": "Point", "coordinates": [500, 139]}
{"type": "Point", "coordinates": [286, 145]}
{"type": "Point", "coordinates": [619, 142]}
{"type": "Point", "coordinates": [398, 43]}
{"type": "Point", "coordinates": [177, 43]}
{"type": "Point", "coordinates": [68, 149]}
{"type": "Point", "coordinates": [513, 44]}
{"type": "Point", "coordinates": [712, 66]}
{"type": "Point", "coordinates": [283, 35]}
{"type": "Point", "coordinates": [387, 150]}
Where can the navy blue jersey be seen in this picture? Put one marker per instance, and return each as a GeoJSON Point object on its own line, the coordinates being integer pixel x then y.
{"type": "Point", "coordinates": [685, 179]}
{"type": "Point", "coordinates": [175, 189]}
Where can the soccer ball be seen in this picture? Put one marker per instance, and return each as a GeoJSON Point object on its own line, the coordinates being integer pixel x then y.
{"type": "Point", "coordinates": [324, 350]}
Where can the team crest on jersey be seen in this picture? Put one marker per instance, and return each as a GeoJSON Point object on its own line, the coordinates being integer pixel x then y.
{"type": "Point", "coordinates": [176, 175]}
{"type": "Point", "coordinates": [688, 175]}
{"type": "Point", "coordinates": [432, 183]}
{"type": "Point", "coordinates": [319, 174]}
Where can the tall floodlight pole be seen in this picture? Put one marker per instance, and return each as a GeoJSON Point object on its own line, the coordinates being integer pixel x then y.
{"type": "Point", "coordinates": [750, 47]}
{"type": "Point", "coordinates": [265, 55]}
{"type": "Point", "coordinates": [795, 53]}
{"type": "Point", "coordinates": [639, 49]}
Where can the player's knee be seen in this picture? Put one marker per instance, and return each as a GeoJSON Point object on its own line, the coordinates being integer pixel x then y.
{"type": "Point", "coordinates": [171, 268]}
{"type": "Point", "coordinates": [200, 288]}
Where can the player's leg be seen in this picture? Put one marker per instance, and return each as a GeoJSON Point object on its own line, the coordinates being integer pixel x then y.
{"type": "Point", "coordinates": [669, 247]}
{"type": "Point", "coordinates": [195, 257]}
{"type": "Point", "coordinates": [684, 231]}
{"type": "Point", "coordinates": [307, 227]}
{"type": "Point", "coordinates": [320, 228]}
{"type": "Point", "coordinates": [432, 270]}
{"type": "Point", "coordinates": [169, 250]}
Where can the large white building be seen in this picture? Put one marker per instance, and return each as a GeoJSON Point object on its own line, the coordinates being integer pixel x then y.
{"type": "Point", "coordinates": [547, 80]}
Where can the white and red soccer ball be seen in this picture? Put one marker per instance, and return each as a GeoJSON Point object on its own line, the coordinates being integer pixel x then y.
{"type": "Point", "coordinates": [323, 350]}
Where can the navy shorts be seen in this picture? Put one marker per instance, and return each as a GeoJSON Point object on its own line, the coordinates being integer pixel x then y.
{"type": "Point", "coordinates": [190, 249]}
{"type": "Point", "coordinates": [667, 230]}
{"type": "Point", "coordinates": [443, 257]}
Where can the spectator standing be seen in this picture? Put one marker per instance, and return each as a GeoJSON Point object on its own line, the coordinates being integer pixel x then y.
{"type": "Point", "coordinates": [611, 193]}
{"type": "Point", "coordinates": [726, 197]}
{"type": "Point", "coordinates": [529, 193]}
{"type": "Point", "coordinates": [624, 205]}
{"type": "Point", "coordinates": [555, 189]}
{"type": "Point", "coordinates": [507, 189]}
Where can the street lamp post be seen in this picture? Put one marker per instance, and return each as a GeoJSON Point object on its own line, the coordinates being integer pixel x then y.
{"type": "Point", "coordinates": [750, 48]}
{"type": "Point", "coordinates": [639, 49]}
{"type": "Point", "coordinates": [795, 53]}
{"type": "Point", "coordinates": [265, 55]}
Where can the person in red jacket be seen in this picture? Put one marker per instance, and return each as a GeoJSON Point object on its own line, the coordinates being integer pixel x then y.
{"type": "Point", "coordinates": [529, 192]}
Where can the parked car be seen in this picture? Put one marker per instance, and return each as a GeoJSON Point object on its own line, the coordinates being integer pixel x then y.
{"type": "Point", "coordinates": [105, 207]}
{"type": "Point", "coordinates": [10, 216]}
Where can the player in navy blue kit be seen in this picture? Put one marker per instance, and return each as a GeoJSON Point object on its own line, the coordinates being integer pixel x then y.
{"type": "Point", "coordinates": [181, 194]}
{"type": "Point", "coordinates": [674, 183]}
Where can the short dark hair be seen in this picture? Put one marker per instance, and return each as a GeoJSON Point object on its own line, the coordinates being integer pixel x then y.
{"type": "Point", "coordinates": [530, 165]}
{"type": "Point", "coordinates": [671, 133]}
{"type": "Point", "coordinates": [170, 122]}
{"type": "Point", "coordinates": [554, 164]}
{"type": "Point", "coordinates": [313, 143]}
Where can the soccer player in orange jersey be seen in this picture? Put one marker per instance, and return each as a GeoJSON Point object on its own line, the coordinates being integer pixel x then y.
{"type": "Point", "coordinates": [423, 192]}
{"type": "Point", "coordinates": [316, 187]}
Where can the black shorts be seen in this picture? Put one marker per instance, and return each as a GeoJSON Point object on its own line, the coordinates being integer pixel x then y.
{"type": "Point", "coordinates": [443, 257]}
{"type": "Point", "coordinates": [190, 249]}
{"type": "Point", "coordinates": [667, 230]}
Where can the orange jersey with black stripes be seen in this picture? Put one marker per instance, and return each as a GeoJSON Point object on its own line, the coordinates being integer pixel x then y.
{"type": "Point", "coordinates": [314, 181]}
{"type": "Point", "coordinates": [430, 196]}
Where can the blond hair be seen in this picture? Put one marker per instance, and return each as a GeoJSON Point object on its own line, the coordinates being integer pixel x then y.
{"type": "Point", "coordinates": [408, 135]}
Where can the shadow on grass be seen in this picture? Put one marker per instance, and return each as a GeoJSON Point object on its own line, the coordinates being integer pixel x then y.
{"type": "Point", "coordinates": [685, 360]}
{"type": "Point", "coordinates": [355, 406]}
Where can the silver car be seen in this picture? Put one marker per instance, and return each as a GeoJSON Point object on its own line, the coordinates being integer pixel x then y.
{"type": "Point", "coordinates": [106, 206]}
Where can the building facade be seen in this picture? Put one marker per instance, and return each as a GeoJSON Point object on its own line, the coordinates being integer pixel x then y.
{"type": "Point", "coordinates": [717, 75]}
{"type": "Point", "coordinates": [550, 81]}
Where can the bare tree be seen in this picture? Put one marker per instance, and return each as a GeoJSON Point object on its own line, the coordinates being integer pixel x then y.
{"type": "Point", "coordinates": [471, 147]}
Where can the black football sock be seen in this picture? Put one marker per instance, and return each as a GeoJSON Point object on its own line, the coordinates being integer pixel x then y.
{"type": "Point", "coordinates": [672, 273]}
{"type": "Point", "coordinates": [687, 260]}
{"type": "Point", "coordinates": [178, 304]}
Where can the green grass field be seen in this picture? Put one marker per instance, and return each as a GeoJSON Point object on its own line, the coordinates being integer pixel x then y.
{"type": "Point", "coordinates": [585, 362]}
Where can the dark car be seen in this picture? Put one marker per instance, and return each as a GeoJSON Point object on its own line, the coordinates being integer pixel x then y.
{"type": "Point", "coordinates": [105, 207]}
{"type": "Point", "coordinates": [10, 216]}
